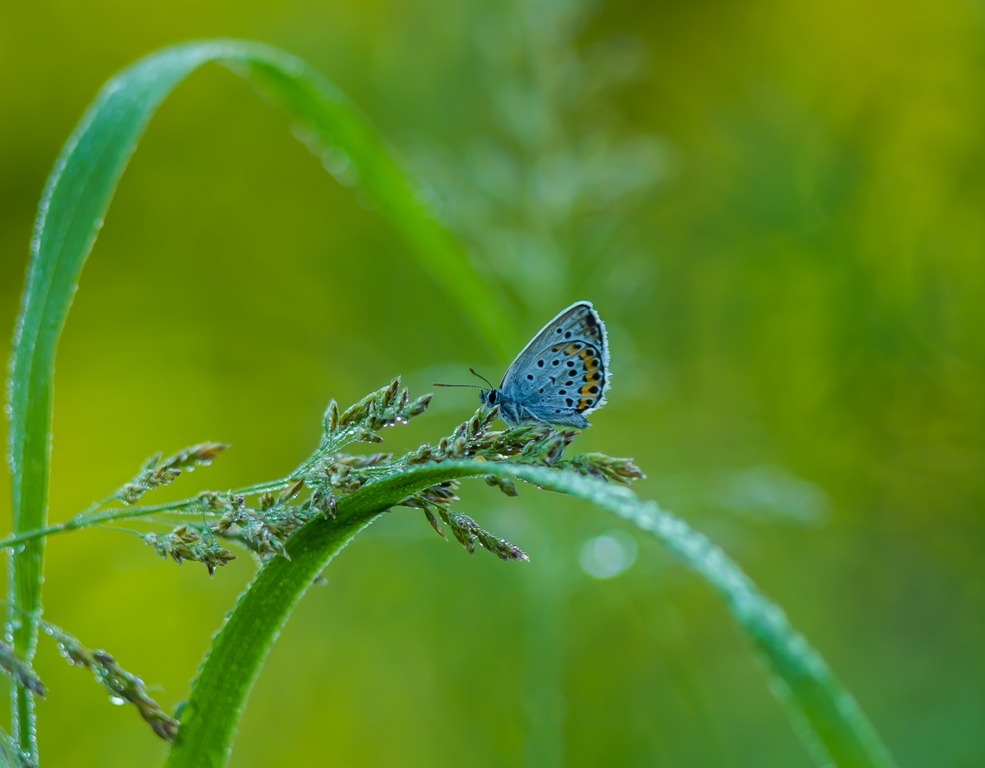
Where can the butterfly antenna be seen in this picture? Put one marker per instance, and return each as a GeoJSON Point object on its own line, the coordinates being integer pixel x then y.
{"type": "Point", "coordinates": [472, 371]}
{"type": "Point", "coordinates": [470, 386]}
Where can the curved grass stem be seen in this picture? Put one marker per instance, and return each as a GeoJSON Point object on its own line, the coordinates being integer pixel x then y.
{"type": "Point", "coordinates": [92, 515]}
{"type": "Point", "coordinates": [829, 720]}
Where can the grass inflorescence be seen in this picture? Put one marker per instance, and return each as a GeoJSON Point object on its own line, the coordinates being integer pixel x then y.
{"type": "Point", "coordinates": [156, 472]}
{"type": "Point", "coordinates": [263, 517]}
{"type": "Point", "coordinates": [18, 670]}
{"type": "Point", "coordinates": [122, 686]}
{"type": "Point", "coordinates": [184, 543]}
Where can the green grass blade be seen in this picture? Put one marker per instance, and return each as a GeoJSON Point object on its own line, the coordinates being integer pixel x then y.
{"type": "Point", "coordinates": [71, 212]}
{"type": "Point", "coordinates": [826, 716]}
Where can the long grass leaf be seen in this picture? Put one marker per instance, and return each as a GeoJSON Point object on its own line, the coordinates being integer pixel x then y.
{"type": "Point", "coordinates": [71, 212]}
{"type": "Point", "coordinates": [826, 716]}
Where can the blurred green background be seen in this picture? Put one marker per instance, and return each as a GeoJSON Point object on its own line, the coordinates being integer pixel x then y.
{"type": "Point", "coordinates": [776, 207]}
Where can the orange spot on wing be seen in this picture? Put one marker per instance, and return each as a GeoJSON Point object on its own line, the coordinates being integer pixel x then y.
{"type": "Point", "coordinates": [590, 356]}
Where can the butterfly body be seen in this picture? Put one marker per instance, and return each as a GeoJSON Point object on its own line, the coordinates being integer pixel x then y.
{"type": "Point", "coordinates": [560, 376]}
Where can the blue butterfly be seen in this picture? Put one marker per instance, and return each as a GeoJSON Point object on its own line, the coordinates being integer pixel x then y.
{"type": "Point", "coordinates": [562, 374]}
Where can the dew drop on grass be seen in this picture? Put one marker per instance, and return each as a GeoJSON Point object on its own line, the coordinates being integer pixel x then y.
{"type": "Point", "coordinates": [117, 701]}
{"type": "Point", "coordinates": [608, 555]}
{"type": "Point", "coordinates": [335, 160]}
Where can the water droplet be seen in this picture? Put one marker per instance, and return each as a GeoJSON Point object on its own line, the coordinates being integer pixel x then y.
{"type": "Point", "coordinates": [608, 555]}
{"type": "Point", "coordinates": [335, 160]}
{"type": "Point", "coordinates": [306, 134]}
{"type": "Point", "coordinates": [294, 66]}
{"type": "Point", "coordinates": [117, 701]}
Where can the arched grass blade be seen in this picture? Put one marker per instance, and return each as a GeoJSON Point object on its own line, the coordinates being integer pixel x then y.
{"type": "Point", "coordinates": [826, 716]}
{"type": "Point", "coordinates": [71, 212]}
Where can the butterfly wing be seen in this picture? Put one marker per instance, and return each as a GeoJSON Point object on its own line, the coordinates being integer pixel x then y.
{"type": "Point", "coordinates": [562, 375]}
